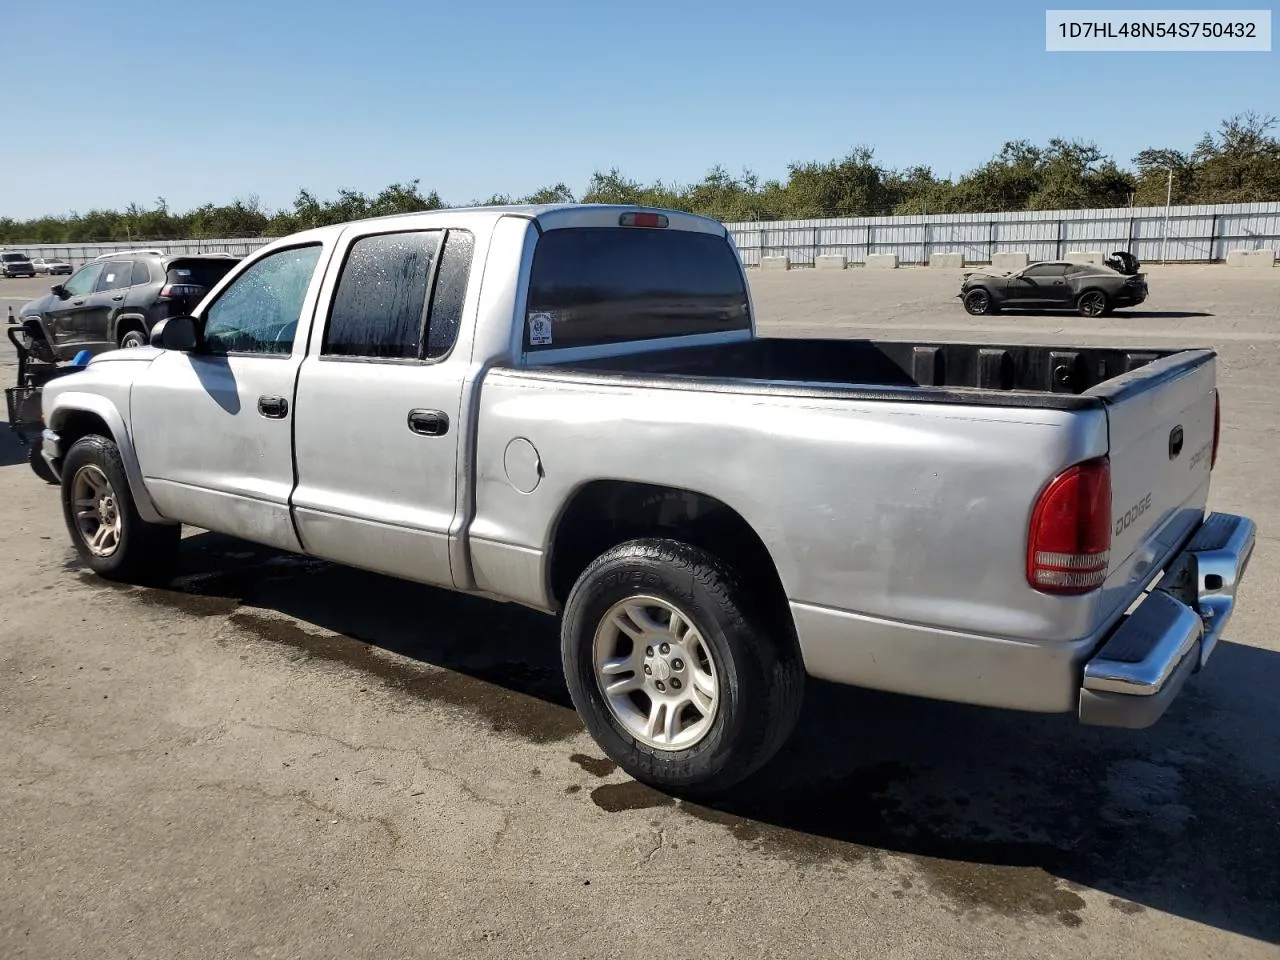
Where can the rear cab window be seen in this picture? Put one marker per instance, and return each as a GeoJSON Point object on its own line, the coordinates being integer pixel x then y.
{"type": "Point", "coordinates": [201, 273]}
{"type": "Point", "coordinates": [591, 286]}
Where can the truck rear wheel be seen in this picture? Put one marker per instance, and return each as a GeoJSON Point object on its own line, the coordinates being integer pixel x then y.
{"type": "Point", "coordinates": [670, 666]}
{"type": "Point", "coordinates": [103, 521]}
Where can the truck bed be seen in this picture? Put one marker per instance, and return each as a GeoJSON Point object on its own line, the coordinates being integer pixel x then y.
{"type": "Point", "coordinates": [975, 373]}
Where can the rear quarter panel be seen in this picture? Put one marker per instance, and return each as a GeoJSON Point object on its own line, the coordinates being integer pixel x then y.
{"type": "Point", "coordinates": [911, 512]}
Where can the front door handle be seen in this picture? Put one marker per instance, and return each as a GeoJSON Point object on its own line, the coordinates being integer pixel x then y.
{"type": "Point", "coordinates": [274, 408]}
{"type": "Point", "coordinates": [429, 423]}
{"type": "Point", "coordinates": [121, 297]}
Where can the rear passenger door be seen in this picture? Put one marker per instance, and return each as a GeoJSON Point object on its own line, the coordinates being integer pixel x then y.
{"type": "Point", "coordinates": [108, 297]}
{"type": "Point", "coordinates": [376, 437]}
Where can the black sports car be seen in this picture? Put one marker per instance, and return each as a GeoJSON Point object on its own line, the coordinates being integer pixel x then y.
{"type": "Point", "coordinates": [1092, 290]}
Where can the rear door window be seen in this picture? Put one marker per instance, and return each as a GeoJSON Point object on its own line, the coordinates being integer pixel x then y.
{"type": "Point", "coordinates": [591, 286]}
{"type": "Point", "coordinates": [381, 297]}
{"type": "Point", "coordinates": [115, 274]}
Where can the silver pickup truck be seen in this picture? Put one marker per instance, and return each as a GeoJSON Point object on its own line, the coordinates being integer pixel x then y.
{"type": "Point", "coordinates": [568, 407]}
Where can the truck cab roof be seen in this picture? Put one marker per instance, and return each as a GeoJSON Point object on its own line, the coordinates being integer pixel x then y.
{"type": "Point", "coordinates": [548, 216]}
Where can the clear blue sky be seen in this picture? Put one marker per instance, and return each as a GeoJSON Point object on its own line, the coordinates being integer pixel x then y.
{"type": "Point", "coordinates": [216, 100]}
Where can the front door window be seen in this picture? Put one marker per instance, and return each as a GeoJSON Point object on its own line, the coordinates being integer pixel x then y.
{"type": "Point", "coordinates": [258, 313]}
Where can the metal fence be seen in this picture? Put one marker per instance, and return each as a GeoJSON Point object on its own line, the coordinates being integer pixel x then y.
{"type": "Point", "coordinates": [1189, 234]}
{"type": "Point", "coordinates": [79, 253]}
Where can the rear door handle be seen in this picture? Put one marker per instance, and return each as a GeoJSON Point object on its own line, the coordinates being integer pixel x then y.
{"type": "Point", "coordinates": [429, 423]}
{"type": "Point", "coordinates": [274, 408]}
{"type": "Point", "coordinates": [121, 297]}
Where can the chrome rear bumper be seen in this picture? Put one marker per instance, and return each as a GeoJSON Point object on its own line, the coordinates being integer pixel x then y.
{"type": "Point", "coordinates": [1142, 666]}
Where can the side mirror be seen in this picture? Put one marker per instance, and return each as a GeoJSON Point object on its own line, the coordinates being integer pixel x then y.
{"type": "Point", "coordinates": [175, 333]}
{"type": "Point", "coordinates": [59, 291]}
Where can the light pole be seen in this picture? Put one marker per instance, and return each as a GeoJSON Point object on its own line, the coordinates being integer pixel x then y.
{"type": "Point", "coordinates": [1168, 199]}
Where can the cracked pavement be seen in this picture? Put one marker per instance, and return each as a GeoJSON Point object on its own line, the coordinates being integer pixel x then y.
{"type": "Point", "coordinates": [280, 758]}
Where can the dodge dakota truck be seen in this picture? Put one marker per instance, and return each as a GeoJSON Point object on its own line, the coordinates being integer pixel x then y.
{"type": "Point", "coordinates": [569, 407]}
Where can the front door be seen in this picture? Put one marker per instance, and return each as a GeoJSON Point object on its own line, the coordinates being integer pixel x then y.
{"type": "Point", "coordinates": [378, 400]}
{"type": "Point", "coordinates": [63, 319]}
{"type": "Point", "coordinates": [213, 427]}
{"type": "Point", "coordinates": [1040, 285]}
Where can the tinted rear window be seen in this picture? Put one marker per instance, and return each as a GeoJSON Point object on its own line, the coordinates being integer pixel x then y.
{"type": "Point", "coordinates": [605, 285]}
{"type": "Point", "coordinates": [205, 273]}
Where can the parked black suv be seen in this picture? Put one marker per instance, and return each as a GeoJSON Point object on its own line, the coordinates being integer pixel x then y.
{"type": "Point", "coordinates": [114, 301]}
{"type": "Point", "coordinates": [16, 265]}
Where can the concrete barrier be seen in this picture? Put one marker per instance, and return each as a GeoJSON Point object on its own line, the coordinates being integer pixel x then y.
{"type": "Point", "coordinates": [882, 261]}
{"type": "Point", "coordinates": [775, 263]}
{"type": "Point", "coordinates": [831, 261]}
{"type": "Point", "coordinates": [1084, 256]}
{"type": "Point", "coordinates": [1009, 261]}
{"type": "Point", "coordinates": [1254, 259]}
{"type": "Point", "coordinates": [946, 260]}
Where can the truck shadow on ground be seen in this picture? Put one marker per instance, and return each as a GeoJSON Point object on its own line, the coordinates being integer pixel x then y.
{"type": "Point", "coordinates": [996, 811]}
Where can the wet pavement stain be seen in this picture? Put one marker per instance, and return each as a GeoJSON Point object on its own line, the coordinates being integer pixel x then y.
{"type": "Point", "coordinates": [806, 830]}
{"type": "Point", "coordinates": [596, 766]}
{"type": "Point", "coordinates": [1005, 889]}
{"type": "Point", "coordinates": [632, 795]}
{"type": "Point", "coordinates": [1125, 906]}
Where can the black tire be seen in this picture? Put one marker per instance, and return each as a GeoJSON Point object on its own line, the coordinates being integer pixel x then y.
{"type": "Point", "coordinates": [145, 552]}
{"type": "Point", "coordinates": [763, 687]}
{"type": "Point", "coordinates": [39, 466]}
{"type": "Point", "coordinates": [133, 338]}
{"type": "Point", "coordinates": [979, 302]}
{"type": "Point", "coordinates": [1093, 303]}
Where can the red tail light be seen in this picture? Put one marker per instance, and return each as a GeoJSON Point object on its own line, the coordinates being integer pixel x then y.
{"type": "Point", "coordinates": [642, 220]}
{"type": "Point", "coordinates": [1069, 543]}
{"type": "Point", "coordinates": [170, 290]}
{"type": "Point", "coordinates": [1217, 428]}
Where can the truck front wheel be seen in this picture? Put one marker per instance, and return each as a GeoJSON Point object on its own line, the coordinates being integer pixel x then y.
{"type": "Point", "coordinates": [106, 530]}
{"type": "Point", "coordinates": [672, 669]}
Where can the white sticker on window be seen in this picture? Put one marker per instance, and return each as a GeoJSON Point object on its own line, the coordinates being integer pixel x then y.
{"type": "Point", "coordinates": [540, 330]}
{"type": "Point", "coordinates": [111, 278]}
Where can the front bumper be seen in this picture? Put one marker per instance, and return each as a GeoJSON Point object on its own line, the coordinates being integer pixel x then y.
{"type": "Point", "coordinates": [1171, 634]}
{"type": "Point", "coordinates": [51, 450]}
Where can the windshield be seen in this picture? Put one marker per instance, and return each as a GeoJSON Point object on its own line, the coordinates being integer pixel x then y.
{"type": "Point", "coordinates": [601, 285]}
{"type": "Point", "coordinates": [14, 257]}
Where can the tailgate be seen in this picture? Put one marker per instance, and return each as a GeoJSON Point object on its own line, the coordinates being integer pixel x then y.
{"type": "Point", "coordinates": [1160, 424]}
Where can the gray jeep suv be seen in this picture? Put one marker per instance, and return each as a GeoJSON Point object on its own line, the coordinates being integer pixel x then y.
{"type": "Point", "coordinates": [114, 301]}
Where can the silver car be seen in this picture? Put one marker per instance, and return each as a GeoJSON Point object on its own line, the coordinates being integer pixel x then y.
{"type": "Point", "coordinates": [51, 266]}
